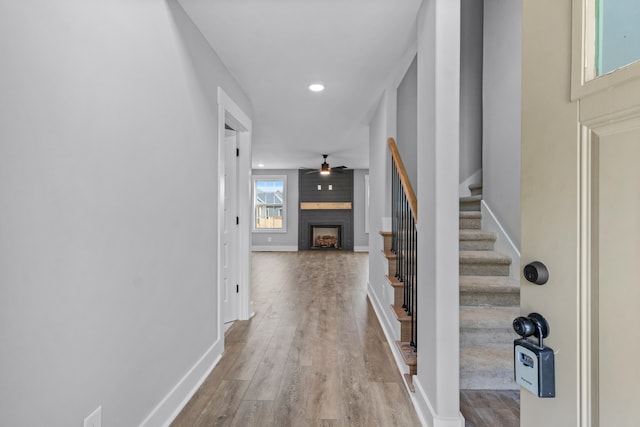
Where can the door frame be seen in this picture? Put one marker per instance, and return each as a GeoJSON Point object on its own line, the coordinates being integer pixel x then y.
{"type": "Point", "coordinates": [229, 248]}
{"type": "Point", "coordinates": [230, 113]}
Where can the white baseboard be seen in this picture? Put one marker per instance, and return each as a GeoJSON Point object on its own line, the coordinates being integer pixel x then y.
{"type": "Point", "coordinates": [384, 320]}
{"type": "Point", "coordinates": [504, 244]}
{"type": "Point", "coordinates": [476, 178]}
{"type": "Point", "coordinates": [433, 420]}
{"type": "Point", "coordinates": [268, 248]}
{"type": "Point", "coordinates": [361, 249]}
{"type": "Point", "coordinates": [171, 405]}
{"type": "Point", "coordinates": [389, 334]}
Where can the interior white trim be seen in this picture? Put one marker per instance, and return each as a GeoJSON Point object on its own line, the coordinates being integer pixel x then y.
{"type": "Point", "coordinates": [268, 248]}
{"type": "Point", "coordinates": [361, 249]}
{"type": "Point", "coordinates": [230, 112]}
{"type": "Point", "coordinates": [170, 406]}
{"type": "Point", "coordinates": [418, 400]}
{"type": "Point", "coordinates": [504, 244]}
{"type": "Point", "coordinates": [427, 408]}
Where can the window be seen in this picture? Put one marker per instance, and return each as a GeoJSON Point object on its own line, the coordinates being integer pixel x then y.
{"type": "Point", "coordinates": [617, 34]}
{"type": "Point", "coordinates": [269, 203]}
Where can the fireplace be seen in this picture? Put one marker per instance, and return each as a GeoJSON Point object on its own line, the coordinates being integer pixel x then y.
{"type": "Point", "coordinates": [325, 204]}
{"type": "Point", "coordinates": [325, 236]}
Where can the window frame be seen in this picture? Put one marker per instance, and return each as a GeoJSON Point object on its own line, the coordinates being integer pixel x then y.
{"type": "Point", "coordinates": [254, 180]}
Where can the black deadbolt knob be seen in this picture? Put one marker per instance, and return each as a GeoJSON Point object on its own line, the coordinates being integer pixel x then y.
{"type": "Point", "coordinates": [536, 272]}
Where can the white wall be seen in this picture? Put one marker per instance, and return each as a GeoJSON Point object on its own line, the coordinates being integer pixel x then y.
{"type": "Point", "coordinates": [407, 141]}
{"type": "Point", "coordinates": [279, 240]}
{"type": "Point", "coordinates": [438, 154]}
{"type": "Point", "coordinates": [360, 237]}
{"type": "Point", "coordinates": [470, 88]}
{"type": "Point", "coordinates": [381, 127]}
{"type": "Point", "coordinates": [108, 189]}
{"type": "Point", "coordinates": [501, 128]}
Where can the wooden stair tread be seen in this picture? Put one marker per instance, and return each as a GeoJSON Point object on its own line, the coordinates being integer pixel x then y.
{"type": "Point", "coordinates": [386, 233]}
{"type": "Point", "coordinates": [470, 199]}
{"type": "Point", "coordinates": [389, 255]}
{"type": "Point", "coordinates": [474, 234]}
{"type": "Point", "coordinates": [489, 283]}
{"type": "Point", "coordinates": [401, 315]}
{"type": "Point", "coordinates": [408, 353]}
{"type": "Point", "coordinates": [474, 317]}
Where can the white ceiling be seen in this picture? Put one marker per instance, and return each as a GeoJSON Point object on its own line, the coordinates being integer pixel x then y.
{"type": "Point", "coordinates": [276, 48]}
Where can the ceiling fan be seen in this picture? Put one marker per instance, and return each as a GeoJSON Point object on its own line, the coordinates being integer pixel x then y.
{"type": "Point", "coordinates": [325, 169]}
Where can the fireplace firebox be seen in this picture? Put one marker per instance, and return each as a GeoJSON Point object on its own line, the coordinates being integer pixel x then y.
{"type": "Point", "coordinates": [325, 236]}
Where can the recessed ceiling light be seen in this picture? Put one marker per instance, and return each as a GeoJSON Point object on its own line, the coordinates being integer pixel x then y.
{"type": "Point", "coordinates": [316, 87]}
{"type": "Point", "coordinates": [260, 165]}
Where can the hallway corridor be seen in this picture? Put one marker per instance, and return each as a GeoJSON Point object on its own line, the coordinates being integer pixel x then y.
{"type": "Point", "coordinates": [313, 355]}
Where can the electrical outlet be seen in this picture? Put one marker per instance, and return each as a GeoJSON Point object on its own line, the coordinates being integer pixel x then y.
{"type": "Point", "coordinates": [95, 419]}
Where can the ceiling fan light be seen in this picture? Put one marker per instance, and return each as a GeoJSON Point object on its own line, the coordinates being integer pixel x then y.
{"type": "Point", "coordinates": [325, 169]}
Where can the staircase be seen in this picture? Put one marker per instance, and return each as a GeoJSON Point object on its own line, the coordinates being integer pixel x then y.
{"type": "Point", "coordinates": [489, 301]}
{"type": "Point", "coordinates": [407, 351]}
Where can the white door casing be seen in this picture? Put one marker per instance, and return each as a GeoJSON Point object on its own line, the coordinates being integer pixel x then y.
{"type": "Point", "coordinates": [230, 253]}
{"type": "Point", "coordinates": [230, 113]}
{"type": "Point", "coordinates": [580, 216]}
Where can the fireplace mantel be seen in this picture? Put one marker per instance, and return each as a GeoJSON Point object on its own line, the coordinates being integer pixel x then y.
{"type": "Point", "coordinates": [325, 205]}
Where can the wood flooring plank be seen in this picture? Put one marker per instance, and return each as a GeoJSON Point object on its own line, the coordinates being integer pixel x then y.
{"type": "Point", "coordinates": [202, 397]}
{"type": "Point", "coordinates": [490, 408]}
{"type": "Point", "coordinates": [289, 407]}
{"type": "Point", "coordinates": [266, 381]}
{"type": "Point", "coordinates": [223, 404]}
{"type": "Point", "coordinates": [313, 355]}
{"type": "Point", "coordinates": [323, 394]}
{"type": "Point", "coordinates": [254, 413]}
{"type": "Point", "coordinates": [247, 362]}
{"type": "Point", "coordinates": [391, 405]}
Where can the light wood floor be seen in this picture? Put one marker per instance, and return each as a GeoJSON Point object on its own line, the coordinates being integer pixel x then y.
{"type": "Point", "coordinates": [313, 355]}
{"type": "Point", "coordinates": [490, 408]}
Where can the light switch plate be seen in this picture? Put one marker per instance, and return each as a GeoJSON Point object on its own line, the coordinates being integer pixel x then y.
{"type": "Point", "coordinates": [95, 419]}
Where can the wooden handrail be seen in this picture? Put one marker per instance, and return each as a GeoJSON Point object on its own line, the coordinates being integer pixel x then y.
{"type": "Point", "coordinates": [404, 178]}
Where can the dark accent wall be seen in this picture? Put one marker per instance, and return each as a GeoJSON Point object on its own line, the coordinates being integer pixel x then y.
{"type": "Point", "coordinates": [342, 191]}
{"type": "Point", "coordinates": [342, 183]}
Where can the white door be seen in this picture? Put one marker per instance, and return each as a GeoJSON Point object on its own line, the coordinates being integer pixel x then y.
{"type": "Point", "coordinates": [230, 300]}
{"type": "Point", "coordinates": [581, 213]}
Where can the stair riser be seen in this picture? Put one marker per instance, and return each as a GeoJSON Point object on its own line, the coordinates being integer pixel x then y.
{"type": "Point", "coordinates": [500, 299]}
{"type": "Point", "coordinates": [470, 223]}
{"type": "Point", "coordinates": [486, 337]}
{"type": "Point", "coordinates": [405, 331]}
{"type": "Point", "coordinates": [476, 245]}
{"type": "Point", "coordinates": [468, 206]}
{"type": "Point", "coordinates": [484, 269]}
{"type": "Point", "coordinates": [398, 296]}
{"type": "Point", "coordinates": [476, 191]}
{"type": "Point", "coordinates": [387, 241]}
{"type": "Point", "coordinates": [493, 371]}
{"type": "Point", "coordinates": [471, 379]}
{"type": "Point", "coordinates": [392, 268]}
